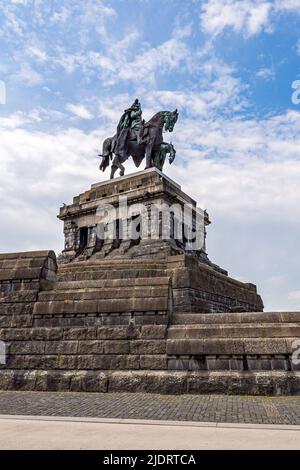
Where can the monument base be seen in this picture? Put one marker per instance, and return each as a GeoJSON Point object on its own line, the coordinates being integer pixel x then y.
{"type": "Point", "coordinates": [111, 326]}
{"type": "Point", "coordinates": [138, 315]}
{"type": "Point", "coordinates": [155, 205]}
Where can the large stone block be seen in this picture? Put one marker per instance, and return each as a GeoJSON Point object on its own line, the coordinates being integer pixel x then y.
{"type": "Point", "coordinates": [153, 331]}
{"type": "Point", "coordinates": [148, 346]}
{"type": "Point", "coordinates": [26, 347]}
{"type": "Point", "coordinates": [90, 347]}
{"type": "Point", "coordinates": [116, 347]}
{"type": "Point", "coordinates": [147, 381]}
{"type": "Point", "coordinates": [153, 362]}
{"type": "Point", "coordinates": [205, 346]}
{"type": "Point", "coordinates": [88, 381]}
{"type": "Point", "coordinates": [80, 333]}
{"type": "Point", "coordinates": [61, 347]}
{"type": "Point", "coordinates": [45, 333]}
{"type": "Point", "coordinates": [116, 332]}
{"type": "Point", "coordinates": [16, 334]}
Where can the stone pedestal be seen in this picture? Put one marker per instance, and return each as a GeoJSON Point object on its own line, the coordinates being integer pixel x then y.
{"type": "Point", "coordinates": [145, 214]}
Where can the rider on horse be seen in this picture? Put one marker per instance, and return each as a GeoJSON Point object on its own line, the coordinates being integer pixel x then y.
{"type": "Point", "coordinates": [139, 140]}
{"type": "Point", "coordinates": [130, 126]}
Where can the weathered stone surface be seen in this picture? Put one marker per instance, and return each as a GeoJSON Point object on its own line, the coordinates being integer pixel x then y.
{"type": "Point", "coordinates": [153, 362]}
{"type": "Point", "coordinates": [257, 383]}
{"type": "Point", "coordinates": [26, 347]}
{"type": "Point", "coordinates": [141, 318]}
{"type": "Point", "coordinates": [116, 332]}
{"type": "Point", "coordinates": [116, 347]}
{"type": "Point", "coordinates": [80, 333]}
{"type": "Point", "coordinates": [90, 347]}
{"type": "Point", "coordinates": [45, 334]}
{"type": "Point", "coordinates": [148, 347]}
{"type": "Point", "coordinates": [85, 381]}
{"type": "Point", "coordinates": [40, 265]}
{"type": "Point", "coordinates": [113, 361]}
{"type": "Point", "coordinates": [60, 347]}
{"type": "Point", "coordinates": [147, 381]}
{"type": "Point", "coordinates": [221, 330]}
{"type": "Point", "coordinates": [153, 331]}
{"type": "Point", "coordinates": [15, 334]}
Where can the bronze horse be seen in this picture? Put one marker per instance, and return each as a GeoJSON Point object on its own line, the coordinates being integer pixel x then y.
{"type": "Point", "coordinates": [150, 144]}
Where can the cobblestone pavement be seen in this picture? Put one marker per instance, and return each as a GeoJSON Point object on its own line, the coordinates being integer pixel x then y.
{"type": "Point", "coordinates": [215, 408]}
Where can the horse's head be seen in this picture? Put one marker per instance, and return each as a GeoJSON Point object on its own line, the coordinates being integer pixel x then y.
{"type": "Point", "coordinates": [170, 120]}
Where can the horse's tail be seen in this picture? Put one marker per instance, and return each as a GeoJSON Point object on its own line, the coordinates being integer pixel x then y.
{"type": "Point", "coordinates": [104, 163]}
{"type": "Point", "coordinates": [106, 154]}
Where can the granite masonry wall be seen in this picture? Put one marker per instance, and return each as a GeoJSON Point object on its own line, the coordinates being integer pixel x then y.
{"type": "Point", "coordinates": [111, 325]}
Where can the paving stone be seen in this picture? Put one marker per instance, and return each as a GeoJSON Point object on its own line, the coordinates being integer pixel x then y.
{"type": "Point", "coordinates": [211, 408]}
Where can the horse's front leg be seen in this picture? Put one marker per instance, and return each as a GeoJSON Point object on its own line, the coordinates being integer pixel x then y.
{"type": "Point", "coordinates": [118, 162]}
{"type": "Point", "coordinates": [122, 169]}
{"type": "Point", "coordinates": [112, 171]}
{"type": "Point", "coordinates": [148, 157]}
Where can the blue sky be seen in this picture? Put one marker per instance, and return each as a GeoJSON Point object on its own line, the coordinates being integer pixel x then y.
{"type": "Point", "coordinates": [71, 67]}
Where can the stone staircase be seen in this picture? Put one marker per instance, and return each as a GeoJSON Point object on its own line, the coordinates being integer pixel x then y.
{"type": "Point", "coordinates": [93, 318]}
{"type": "Point", "coordinates": [233, 341]}
{"type": "Point", "coordinates": [115, 287]}
{"type": "Point", "coordinates": [109, 325]}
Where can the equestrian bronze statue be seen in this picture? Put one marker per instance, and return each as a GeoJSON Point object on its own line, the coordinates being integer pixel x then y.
{"type": "Point", "coordinates": [139, 139]}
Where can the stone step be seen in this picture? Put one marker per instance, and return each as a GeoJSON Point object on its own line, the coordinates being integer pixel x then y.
{"type": "Point", "coordinates": [58, 361]}
{"type": "Point", "coordinates": [109, 283]}
{"type": "Point", "coordinates": [112, 264]}
{"type": "Point", "coordinates": [82, 275]}
{"type": "Point", "coordinates": [235, 318]}
{"type": "Point", "coordinates": [102, 294]}
{"type": "Point", "coordinates": [132, 332]}
{"type": "Point", "coordinates": [13, 264]}
{"type": "Point", "coordinates": [27, 254]}
{"type": "Point", "coordinates": [88, 347]}
{"type": "Point", "coordinates": [22, 273]}
{"type": "Point", "coordinates": [20, 296]}
{"type": "Point", "coordinates": [244, 330]}
{"type": "Point", "coordinates": [139, 304]}
{"type": "Point", "coordinates": [217, 346]}
{"type": "Point", "coordinates": [151, 381]}
{"type": "Point", "coordinates": [27, 267]}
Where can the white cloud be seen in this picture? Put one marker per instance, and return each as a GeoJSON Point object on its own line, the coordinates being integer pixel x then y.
{"type": "Point", "coordinates": [79, 110]}
{"type": "Point", "coordinates": [37, 170]}
{"type": "Point", "coordinates": [247, 16]}
{"type": "Point", "coordinates": [166, 57]}
{"type": "Point", "coordinates": [37, 53]}
{"type": "Point", "coordinates": [20, 2]}
{"type": "Point", "coordinates": [287, 5]}
{"type": "Point", "coordinates": [266, 73]}
{"type": "Point", "coordinates": [61, 15]}
{"type": "Point", "coordinates": [13, 121]}
{"type": "Point", "coordinates": [117, 65]}
{"type": "Point", "coordinates": [12, 22]}
{"type": "Point", "coordinates": [27, 75]}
